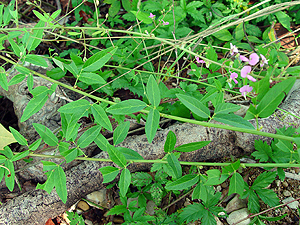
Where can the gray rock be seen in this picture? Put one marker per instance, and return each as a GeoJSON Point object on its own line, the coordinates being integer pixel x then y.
{"type": "Point", "coordinates": [293, 205]}
{"type": "Point", "coordinates": [236, 204]}
{"type": "Point", "coordinates": [238, 215]}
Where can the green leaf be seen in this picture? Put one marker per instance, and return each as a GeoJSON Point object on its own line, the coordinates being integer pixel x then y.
{"type": "Point", "coordinates": [36, 38]}
{"type": "Point", "coordinates": [36, 60]}
{"type": "Point", "coordinates": [130, 154]}
{"type": "Point", "coordinates": [117, 209]}
{"type": "Point", "coordinates": [200, 192]}
{"type": "Point", "coordinates": [236, 184]}
{"type": "Point", "coordinates": [194, 105]}
{"type": "Point", "coordinates": [77, 106]}
{"type": "Point", "coordinates": [233, 120]}
{"type": "Point", "coordinates": [143, 16]}
{"type": "Point", "coordinates": [215, 177]}
{"type": "Point", "coordinates": [274, 97]}
{"type": "Point", "coordinates": [223, 35]}
{"type": "Point", "coordinates": [35, 145]}
{"type": "Point", "coordinates": [268, 196]}
{"type": "Point", "coordinates": [120, 132]}
{"type": "Point", "coordinates": [285, 146]}
{"type": "Point", "coordinates": [91, 78]}
{"type": "Point", "coordinates": [19, 137]}
{"type": "Point", "coordinates": [98, 60]}
{"type": "Point", "coordinates": [15, 47]}
{"type": "Point", "coordinates": [253, 202]}
{"type": "Point", "coordinates": [263, 151]}
{"type": "Point", "coordinates": [157, 193]}
{"type": "Point", "coordinates": [47, 166]}
{"type": "Point", "coordinates": [101, 142]}
{"type": "Point", "coordinates": [175, 165]}
{"type": "Point", "coordinates": [89, 136]}
{"type": "Point", "coordinates": [109, 173]}
{"type": "Point", "coordinates": [192, 213]}
{"type": "Point", "coordinates": [263, 180]}
{"type": "Point", "coordinates": [141, 179]}
{"type": "Point", "coordinates": [114, 8]}
{"type": "Point", "coordinates": [3, 79]}
{"type": "Point", "coordinates": [40, 16]}
{"type": "Point", "coordinates": [33, 106]}
{"type": "Point", "coordinates": [153, 92]}
{"type": "Point", "coordinates": [16, 79]}
{"type": "Point", "coordinates": [9, 176]}
{"type": "Point", "coordinates": [116, 156]}
{"type": "Point", "coordinates": [126, 5]}
{"type": "Point", "coordinates": [124, 182]}
{"type": "Point", "coordinates": [127, 107]}
{"type": "Point", "coordinates": [56, 73]}
{"type": "Point", "coordinates": [72, 68]}
{"type": "Point", "coordinates": [224, 108]}
{"type": "Point", "coordinates": [284, 19]}
{"type": "Point", "coordinates": [152, 124]}
{"type": "Point", "coordinates": [183, 182]}
{"type": "Point", "coordinates": [30, 82]}
{"type": "Point", "coordinates": [60, 184]}
{"type": "Point", "coordinates": [46, 134]}
{"type": "Point", "coordinates": [7, 152]}
{"type": "Point", "coordinates": [193, 146]}
{"type": "Point", "coordinates": [101, 117]}
{"type": "Point", "coordinates": [231, 168]}
{"type": "Point", "coordinates": [276, 218]}
{"type": "Point", "coordinates": [170, 142]}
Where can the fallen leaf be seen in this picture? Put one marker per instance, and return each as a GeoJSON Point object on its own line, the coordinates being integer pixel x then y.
{"type": "Point", "coordinates": [6, 137]}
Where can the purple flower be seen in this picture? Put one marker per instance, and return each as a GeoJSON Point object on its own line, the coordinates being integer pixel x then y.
{"type": "Point", "coordinates": [263, 60]}
{"type": "Point", "coordinates": [245, 73]}
{"type": "Point", "coordinates": [233, 76]}
{"type": "Point", "coordinates": [199, 61]}
{"type": "Point", "coordinates": [233, 49]}
{"type": "Point", "coordinates": [165, 23]}
{"type": "Point", "coordinates": [151, 16]}
{"type": "Point", "coordinates": [245, 89]}
{"type": "Point", "coordinates": [254, 58]}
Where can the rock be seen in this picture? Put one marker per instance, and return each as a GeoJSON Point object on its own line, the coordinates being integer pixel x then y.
{"type": "Point", "coordinates": [292, 205]}
{"type": "Point", "coordinates": [237, 216]}
{"type": "Point", "coordinates": [286, 193]}
{"type": "Point", "coordinates": [278, 182]}
{"type": "Point", "coordinates": [88, 222]}
{"type": "Point", "coordinates": [150, 208]}
{"type": "Point", "coordinates": [83, 205]}
{"type": "Point", "coordinates": [102, 198]}
{"type": "Point", "coordinates": [285, 184]}
{"type": "Point", "coordinates": [218, 220]}
{"type": "Point", "coordinates": [236, 204]}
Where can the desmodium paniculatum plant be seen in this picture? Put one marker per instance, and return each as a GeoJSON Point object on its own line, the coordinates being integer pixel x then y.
{"type": "Point", "coordinates": [161, 42]}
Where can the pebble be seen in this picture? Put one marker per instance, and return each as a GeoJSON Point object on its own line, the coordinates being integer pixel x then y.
{"type": "Point", "coordinates": [150, 209]}
{"type": "Point", "coordinates": [235, 204]}
{"type": "Point", "coordinates": [101, 198]}
{"type": "Point", "coordinates": [292, 205]}
{"type": "Point", "coordinates": [285, 184]}
{"type": "Point", "coordinates": [237, 216]}
{"type": "Point", "coordinates": [297, 170]}
{"type": "Point", "coordinates": [88, 222]}
{"type": "Point", "coordinates": [83, 205]}
{"type": "Point", "coordinates": [278, 182]}
{"type": "Point", "coordinates": [287, 193]}
{"type": "Point", "coordinates": [218, 188]}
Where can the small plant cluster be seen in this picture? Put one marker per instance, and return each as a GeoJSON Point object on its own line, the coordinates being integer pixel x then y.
{"type": "Point", "coordinates": [156, 47]}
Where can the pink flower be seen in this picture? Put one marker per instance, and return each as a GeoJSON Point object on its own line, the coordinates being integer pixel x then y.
{"type": "Point", "coordinates": [151, 16]}
{"type": "Point", "coordinates": [165, 23]}
{"type": "Point", "coordinates": [233, 49]}
{"type": "Point", "coordinates": [245, 89]}
{"type": "Point", "coordinates": [263, 60]}
{"type": "Point", "coordinates": [199, 61]}
{"type": "Point", "coordinates": [245, 73]}
{"type": "Point", "coordinates": [244, 59]}
{"type": "Point", "coordinates": [254, 58]}
{"type": "Point", "coordinates": [233, 76]}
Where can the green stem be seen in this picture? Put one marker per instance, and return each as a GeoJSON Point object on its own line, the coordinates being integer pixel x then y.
{"type": "Point", "coordinates": [181, 162]}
